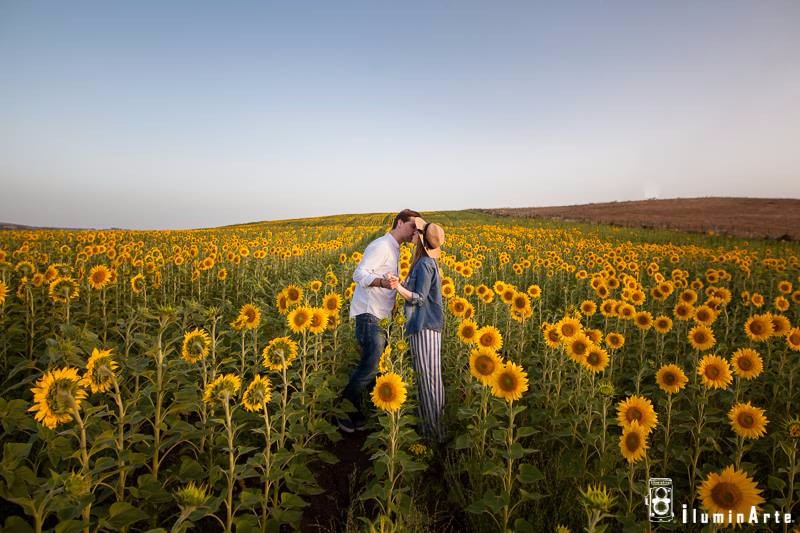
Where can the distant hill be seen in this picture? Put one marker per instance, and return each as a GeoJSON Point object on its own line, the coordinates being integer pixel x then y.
{"type": "Point", "coordinates": [743, 217]}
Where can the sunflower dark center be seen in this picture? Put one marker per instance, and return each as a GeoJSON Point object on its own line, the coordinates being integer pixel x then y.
{"type": "Point", "coordinates": [670, 378]}
{"type": "Point", "coordinates": [726, 495]}
{"type": "Point", "coordinates": [386, 392]}
{"type": "Point", "coordinates": [794, 339]}
{"type": "Point", "coordinates": [700, 337]}
{"type": "Point", "coordinates": [579, 347]}
{"type": "Point", "coordinates": [712, 372]}
{"type": "Point", "coordinates": [507, 382]}
{"type": "Point", "coordinates": [746, 420]}
{"type": "Point", "coordinates": [632, 441]}
{"type": "Point", "coordinates": [757, 328]}
{"type": "Point", "coordinates": [593, 358]}
{"type": "Point", "coordinates": [745, 363]}
{"type": "Point", "coordinates": [568, 330]}
{"type": "Point", "coordinates": [634, 414]}
{"type": "Point", "coordinates": [484, 365]}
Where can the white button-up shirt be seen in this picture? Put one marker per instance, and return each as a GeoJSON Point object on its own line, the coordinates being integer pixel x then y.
{"type": "Point", "coordinates": [380, 257]}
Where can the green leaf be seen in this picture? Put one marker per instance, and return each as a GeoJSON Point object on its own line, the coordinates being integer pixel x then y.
{"type": "Point", "coordinates": [246, 523]}
{"type": "Point", "coordinates": [292, 501]}
{"type": "Point", "coordinates": [523, 526]}
{"type": "Point", "coordinates": [17, 524]}
{"type": "Point", "coordinates": [776, 483]}
{"type": "Point", "coordinates": [529, 474]}
{"type": "Point", "coordinates": [69, 526]}
{"type": "Point", "coordinates": [525, 431]}
{"type": "Point", "coordinates": [250, 498]}
{"type": "Point", "coordinates": [122, 514]}
{"type": "Point", "coordinates": [191, 470]}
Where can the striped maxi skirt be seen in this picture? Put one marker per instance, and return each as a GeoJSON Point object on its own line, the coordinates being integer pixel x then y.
{"type": "Point", "coordinates": [426, 350]}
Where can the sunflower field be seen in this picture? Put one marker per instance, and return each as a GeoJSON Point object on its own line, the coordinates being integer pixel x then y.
{"type": "Point", "coordinates": [179, 380]}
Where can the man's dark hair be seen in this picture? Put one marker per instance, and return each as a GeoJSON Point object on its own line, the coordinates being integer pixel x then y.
{"type": "Point", "coordinates": [404, 216]}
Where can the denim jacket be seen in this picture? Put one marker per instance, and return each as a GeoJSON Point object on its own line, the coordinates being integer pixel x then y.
{"type": "Point", "coordinates": [424, 309]}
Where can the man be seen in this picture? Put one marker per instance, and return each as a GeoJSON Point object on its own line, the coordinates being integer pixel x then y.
{"type": "Point", "coordinates": [373, 300]}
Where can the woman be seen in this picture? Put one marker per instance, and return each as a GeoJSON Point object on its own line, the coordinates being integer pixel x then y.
{"type": "Point", "coordinates": [422, 291]}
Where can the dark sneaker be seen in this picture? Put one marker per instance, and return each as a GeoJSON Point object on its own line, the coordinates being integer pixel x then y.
{"type": "Point", "coordinates": [346, 425]}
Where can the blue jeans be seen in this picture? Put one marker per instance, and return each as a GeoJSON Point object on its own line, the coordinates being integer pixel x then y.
{"type": "Point", "coordinates": [372, 341]}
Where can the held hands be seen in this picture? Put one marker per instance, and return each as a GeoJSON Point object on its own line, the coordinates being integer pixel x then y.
{"type": "Point", "coordinates": [393, 280]}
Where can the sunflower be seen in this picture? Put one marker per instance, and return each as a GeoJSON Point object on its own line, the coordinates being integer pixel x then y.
{"type": "Point", "coordinates": [484, 363]}
{"type": "Point", "coordinates": [701, 337]}
{"type": "Point", "coordinates": [747, 363]}
{"type": "Point", "coordinates": [99, 276]}
{"type": "Point", "coordinates": [332, 302]}
{"type": "Point", "coordinates": [222, 388]}
{"type": "Point", "coordinates": [510, 382]}
{"type": "Point", "coordinates": [468, 331]}
{"type": "Point", "coordinates": [458, 306]}
{"type": "Point", "coordinates": [282, 302]}
{"type": "Point", "coordinates": [577, 347]}
{"type": "Point", "coordinates": [704, 315]}
{"type": "Point", "coordinates": [608, 308]}
{"type": "Point", "coordinates": [780, 325]}
{"type": "Point", "coordinates": [758, 327]}
{"type": "Point", "coordinates": [615, 340]}
{"type": "Point", "coordinates": [137, 283]}
{"type": "Point", "coordinates": [748, 421]}
{"type": "Point", "coordinates": [683, 311]}
{"type": "Point", "coordinates": [588, 307]}
{"type": "Point", "coordinates": [389, 393]}
{"type": "Point", "coordinates": [318, 321]}
{"type": "Point", "coordinates": [448, 291]}
{"type": "Point", "coordinates": [249, 316]}
{"type": "Point", "coordinates": [596, 360]}
{"type": "Point", "coordinates": [781, 303]}
{"type": "Point", "coordinates": [55, 396]}
{"type": "Point", "coordinates": [279, 353]}
{"type": "Point", "coordinates": [551, 335]}
{"type": "Point", "coordinates": [62, 290]}
{"type": "Point", "coordinates": [793, 339]}
{"type": "Point", "coordinates": [315, 285]}
{"type": "Point", "coordinates": [299, 319]}
{"type": "Point", "coordinates": [594, 335]}
{"type": "Point", "coordinates": [785, 286]}
{"type": "Point", "coordinates": [731, 490]}
{"type": "Point", "coordinates": [534, 291]}
{"type": "Point", "coordinates": [714, 371]}
{"type": "Point", "coordinates": [633, 442]}
{"type": "Point", "coordinates": [688, 296]}
{"type": "Point", "coordinates": [637, 409]}
{"type": "Point", "coordinates": [489, 337]}
{"type": "Point", "coordinates": [3, 292]}
{"type": "Point", "coordinates": [293, 294]}
{"type": "Point", "coordinates": [671, 378]}
{"type": "Point", "coordinates": [662, 324]}
{"type": "Point", "coordinates": [568, 327]}
{"type": "Point", "coordinates": [100, 370]}
{"type": "Point", "coordinates": [191, 496]}
{"type": "Point", "coordinates": [643, 320]}
{"type": "Point", "coordinates": [520, 302]}
{"type": "Point", "coordinates": [196, 345]}
{"type": "Point", "coordinates": [258, 394]}
{"type": "Point", "coordinates": [757, 299]}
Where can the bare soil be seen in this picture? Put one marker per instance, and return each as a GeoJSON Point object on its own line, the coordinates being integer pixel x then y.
{"type": "Point", "coordinates": [742, 217]}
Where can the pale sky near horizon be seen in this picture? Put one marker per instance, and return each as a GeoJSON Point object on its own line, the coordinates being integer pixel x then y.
{"type": "Point", "coordinates": [197, 114]}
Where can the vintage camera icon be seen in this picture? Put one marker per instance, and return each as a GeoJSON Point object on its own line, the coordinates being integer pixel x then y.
{"type": "Point", "coordinates": [659, 499]}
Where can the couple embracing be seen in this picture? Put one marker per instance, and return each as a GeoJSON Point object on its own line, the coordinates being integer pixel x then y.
{"type": "Point", "coordinates": [377, 282]}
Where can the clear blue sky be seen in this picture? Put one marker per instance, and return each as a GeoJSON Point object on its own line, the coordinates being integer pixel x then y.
{"type": "Point", "coordinates": [187, 114]}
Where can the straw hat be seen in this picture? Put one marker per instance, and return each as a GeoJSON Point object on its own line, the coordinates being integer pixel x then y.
{"type": "Point", "coordinates": [432, 237]}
